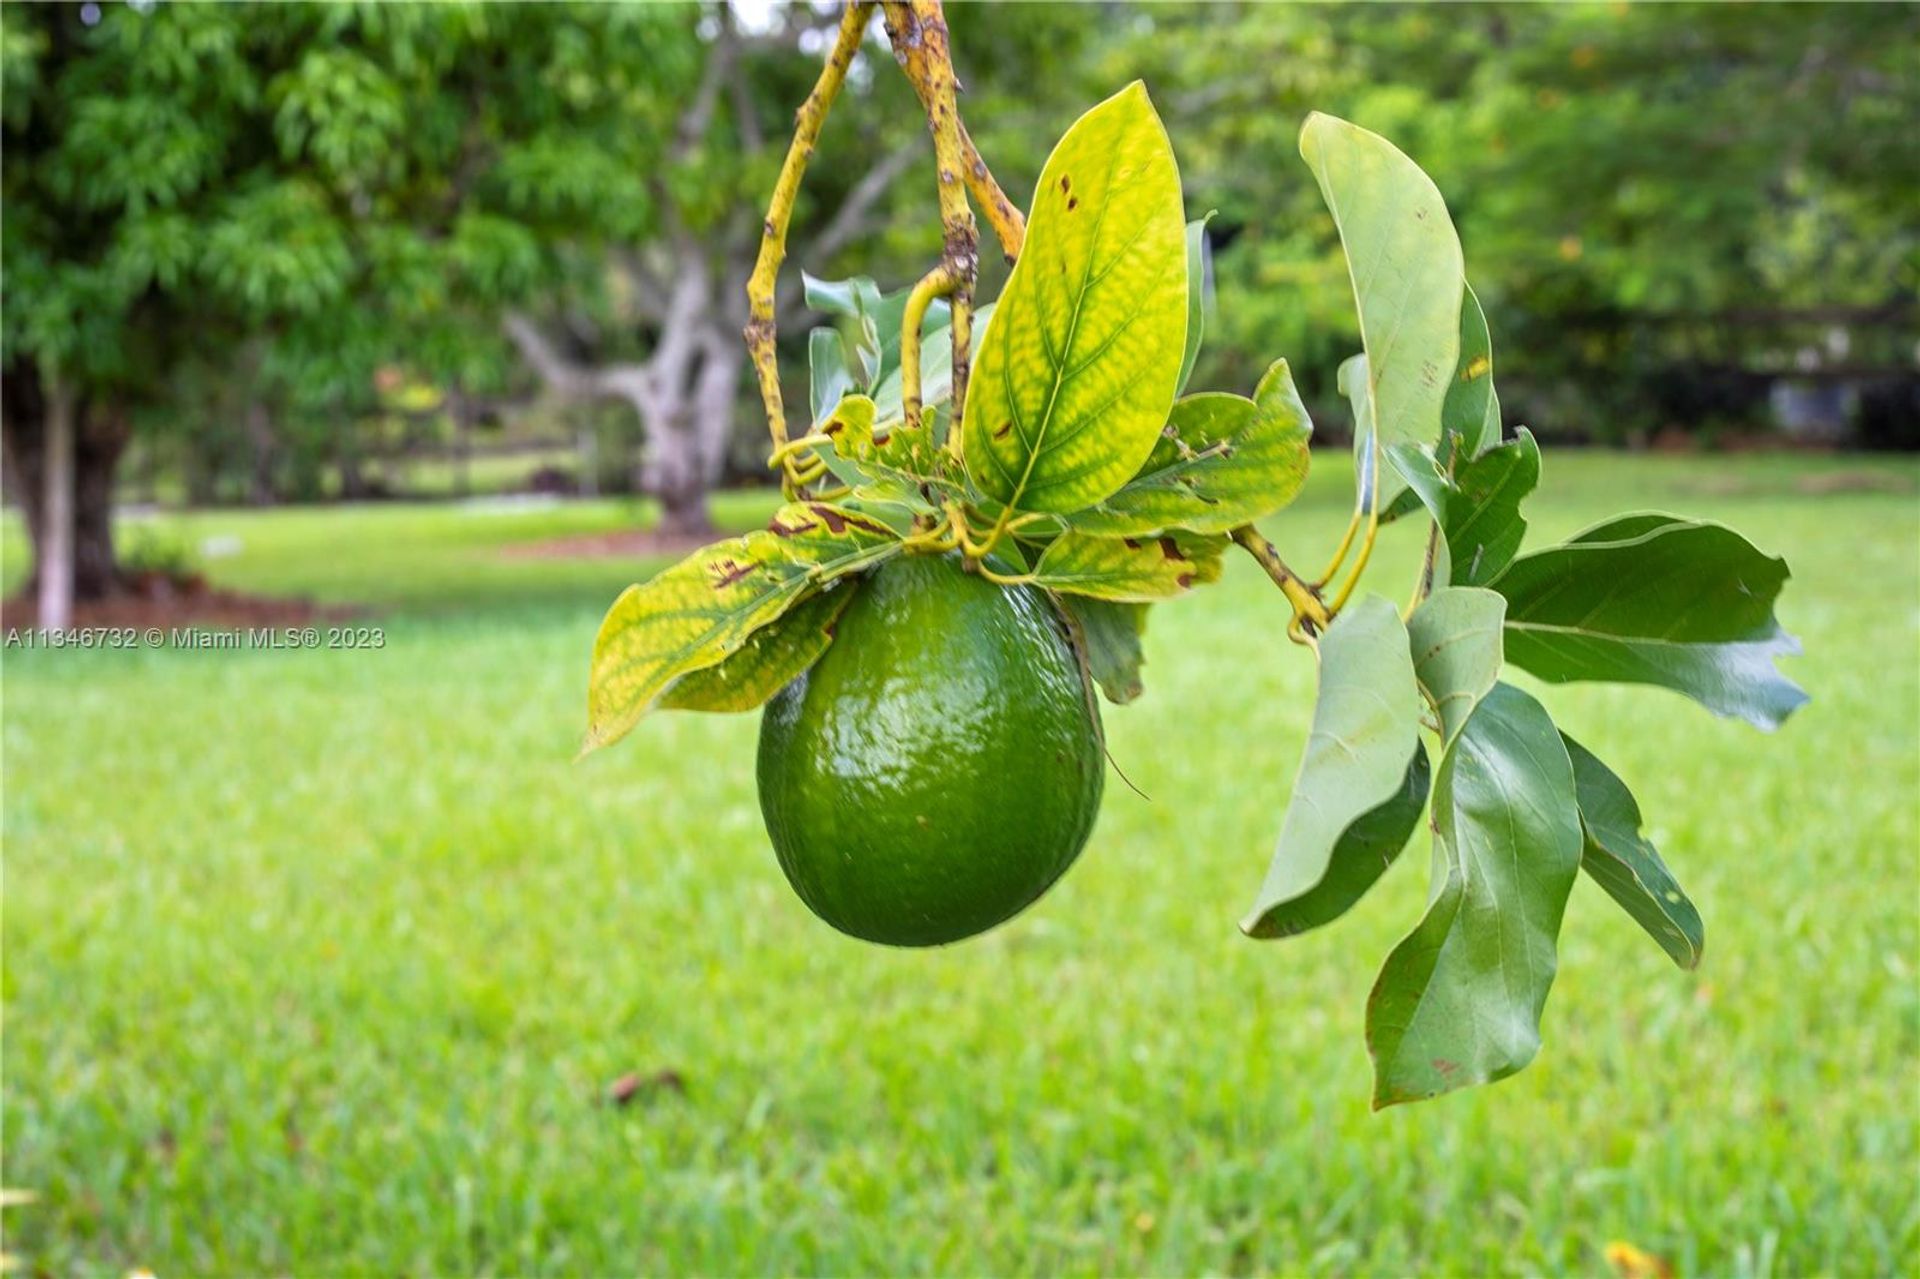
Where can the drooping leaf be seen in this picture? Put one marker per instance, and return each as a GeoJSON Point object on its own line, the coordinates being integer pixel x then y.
{"type": "Point", "coordinates": [1655, 599]}
{"type": "Point", "coordinates": [1199, 295]}
{"type": "Point", "coordinates": [1458, 1002]}
{"type": "Point", "coordinates": [1621, 860]}
{"type": "Point", "coordinates": [1109, 633]}
{"type": "Point", "coordinates": [1455, 634]}
{"type": "Point", "coordinates": [1128, 568]}
{"type": "Point", "coordinates": [1471, 412]}
{"type": "Point", "coordinates": [1364, 772]}
{"type": "Point", "coordinates": [773, 657]}
{"type": "Point", "coordinates": [1405, 264]}
{"type": "Point", "coordinates": [1222, 461]}
{"type": "Point", "coordinates": [703, 609]}
{"type": "Point", "coordinates": [1073, 381]}
{"type": "Point", "coordinates": [828, 378]}
{"type": "Point", "coordinates": [1361, 856]}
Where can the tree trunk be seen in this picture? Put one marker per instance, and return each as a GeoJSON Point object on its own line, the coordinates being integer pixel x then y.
{"type": "Point", "coordinates": [260, 440]}
{"type": "Point", "coordinates": [100, 440]}
{"type": "Point", "coordinates": [81, 535]}
{"type": "Point", "coordinates": [53, 549]}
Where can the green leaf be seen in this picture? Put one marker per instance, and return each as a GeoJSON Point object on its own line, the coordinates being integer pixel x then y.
{"type": "Point", "coordinates": [1199, 295]}
{"type": "Point", "coordinates": [1476, 502]}
{"type": "Point", "coordinates": [1622, 861]}
{"type": "Point", "coordinates": [1655, 599]}
{"type": "Point", "coordinates": [1109, 634]}
{"type": "Point", "coordinates": [1484, 527]}
{"type": "Point", "coordinates": [1405, 265]}
{"type": "Point", "coordinates": [936, 372]}
{"type": "Point", "coordinates": [1458, 1002]}
{"type": "Point", "coordinates": [1126, 568]}
{"type": "Point", "coordinates": [1471, 411]}
{"type": "Point", "coordinates": [1363, 773]}
{"type": "Point", "coordinates": [773, 657]}
{"type": "Point", "coordinates": [878, 317]}
{"type": "Point", "coordinates": [1455, 636]}
{"type": "Point", "coordinates": [1074, 378]}
{"type": "Point", "coordinates": [828, 378]}
{"type": "Point", "coordinates": [1364, 852]}
{"type": "Point", "coordinates": [703, 609]}
{"type": "Point", "coordinates": [897, 470]}
{"type": "Point", "coordinates": [1222, 461]}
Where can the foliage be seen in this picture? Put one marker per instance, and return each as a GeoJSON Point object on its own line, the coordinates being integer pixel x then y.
{"type": "Point", "coordinates": [1072, 465]}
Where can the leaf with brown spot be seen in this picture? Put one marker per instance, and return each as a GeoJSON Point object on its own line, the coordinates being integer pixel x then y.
{"type": "Point", "coordinates": [704, 609]}
{"type": "Point", "coordinates": [1222, 461]}
{"type": "Point", "coordinates": [773, 657]}
{"type": "Point", "coordinates": [1114, 568]}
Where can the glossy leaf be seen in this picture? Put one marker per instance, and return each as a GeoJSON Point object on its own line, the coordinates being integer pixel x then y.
{"type": "Point", "coordinates": [701, 611]}
{"type": "Point", "coordinates": [1109, 635]}
{"type": "Point", "coordinates": [1620, 860]}
{"type": "Point", "coordinates": [1199, 295]}
{"type": "Point", "coordinates": [1073, 380]}
{"type": "Point", "coordinates": [1222, 461]}
{"type": "Point", "coordinates": [1655, 599]}
{"type": "Point", "coordinates": [1471, 411]}
{"type": "Point", "coordinates": [773, 657]}
{"type": "Point", "coordinates": [1455, 636]}
{"type": "Point", "coordinates": [1127, 568]}
{"type": "Point", "coordinates": [1363, 764]}
{"type": "Point", "coordinates": [829, 380]}
{"type": "Point", "coordinates": [1405, 265]}
{"type": "Point", "coordinates": [1458, 1002]}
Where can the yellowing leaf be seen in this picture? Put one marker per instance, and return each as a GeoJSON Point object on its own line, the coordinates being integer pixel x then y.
{"type": "Point", "coordinates": [703, 609]}
{"type": "Point", "coordinates": [1126, 568]}
{"type": "Point", "coordinates": [773, 657]}
{"type": "Point", "coordinates": [1222, 461]}
{"type": "Point", "coordinates": [1074, 378]}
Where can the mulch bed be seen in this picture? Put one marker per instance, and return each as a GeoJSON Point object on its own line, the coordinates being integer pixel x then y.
{"type": "Point", "coordinates": [623, 544]}
{"type": "Point", "coordinates": [154, 599]}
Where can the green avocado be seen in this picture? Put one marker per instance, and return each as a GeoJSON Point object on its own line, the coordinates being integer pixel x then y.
{"type": "Point", "coordinates": [940, 766]}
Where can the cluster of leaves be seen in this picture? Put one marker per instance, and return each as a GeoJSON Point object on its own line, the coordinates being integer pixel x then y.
{"type": "Point", "coordinates": [335, 188]}
{"type": "Point", "coordinates": [1517, 808]}
{"type": "Point", "coordinates": [1076, 453]}
{"type": "Point", "coordinates": [1099, 479]}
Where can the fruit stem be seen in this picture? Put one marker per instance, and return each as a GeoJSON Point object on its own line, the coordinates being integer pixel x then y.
{"type": "Point", "coordinates": [760, 331]}
{"type": "Point", "coordinates": [935, 283]}
{"type": "Point", "coordinates": [1340, 552]}
{"type": "Point", "coordinates": [1359, 564]}
{"type": "Point", "coordinates": [1310, 616]}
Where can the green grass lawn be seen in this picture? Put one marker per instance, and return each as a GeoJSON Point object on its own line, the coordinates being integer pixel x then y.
{"type": "Point", "coordinates": [321, 962]}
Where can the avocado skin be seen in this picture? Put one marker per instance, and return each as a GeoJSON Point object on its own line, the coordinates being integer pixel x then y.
{"type": "Point", "coordinates": [940, 766]}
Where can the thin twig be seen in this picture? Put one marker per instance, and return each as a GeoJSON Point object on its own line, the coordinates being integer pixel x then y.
{"type": "Point", "coordinates": [918, 32]}
{"type": "Point", "coordinates": [760, 331]}
{"type": "Point", "coordinates": [1308, 612]}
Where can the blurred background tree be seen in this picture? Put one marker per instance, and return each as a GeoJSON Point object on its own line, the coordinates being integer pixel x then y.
{"type": "Point", "coordinates": [274, 245]}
